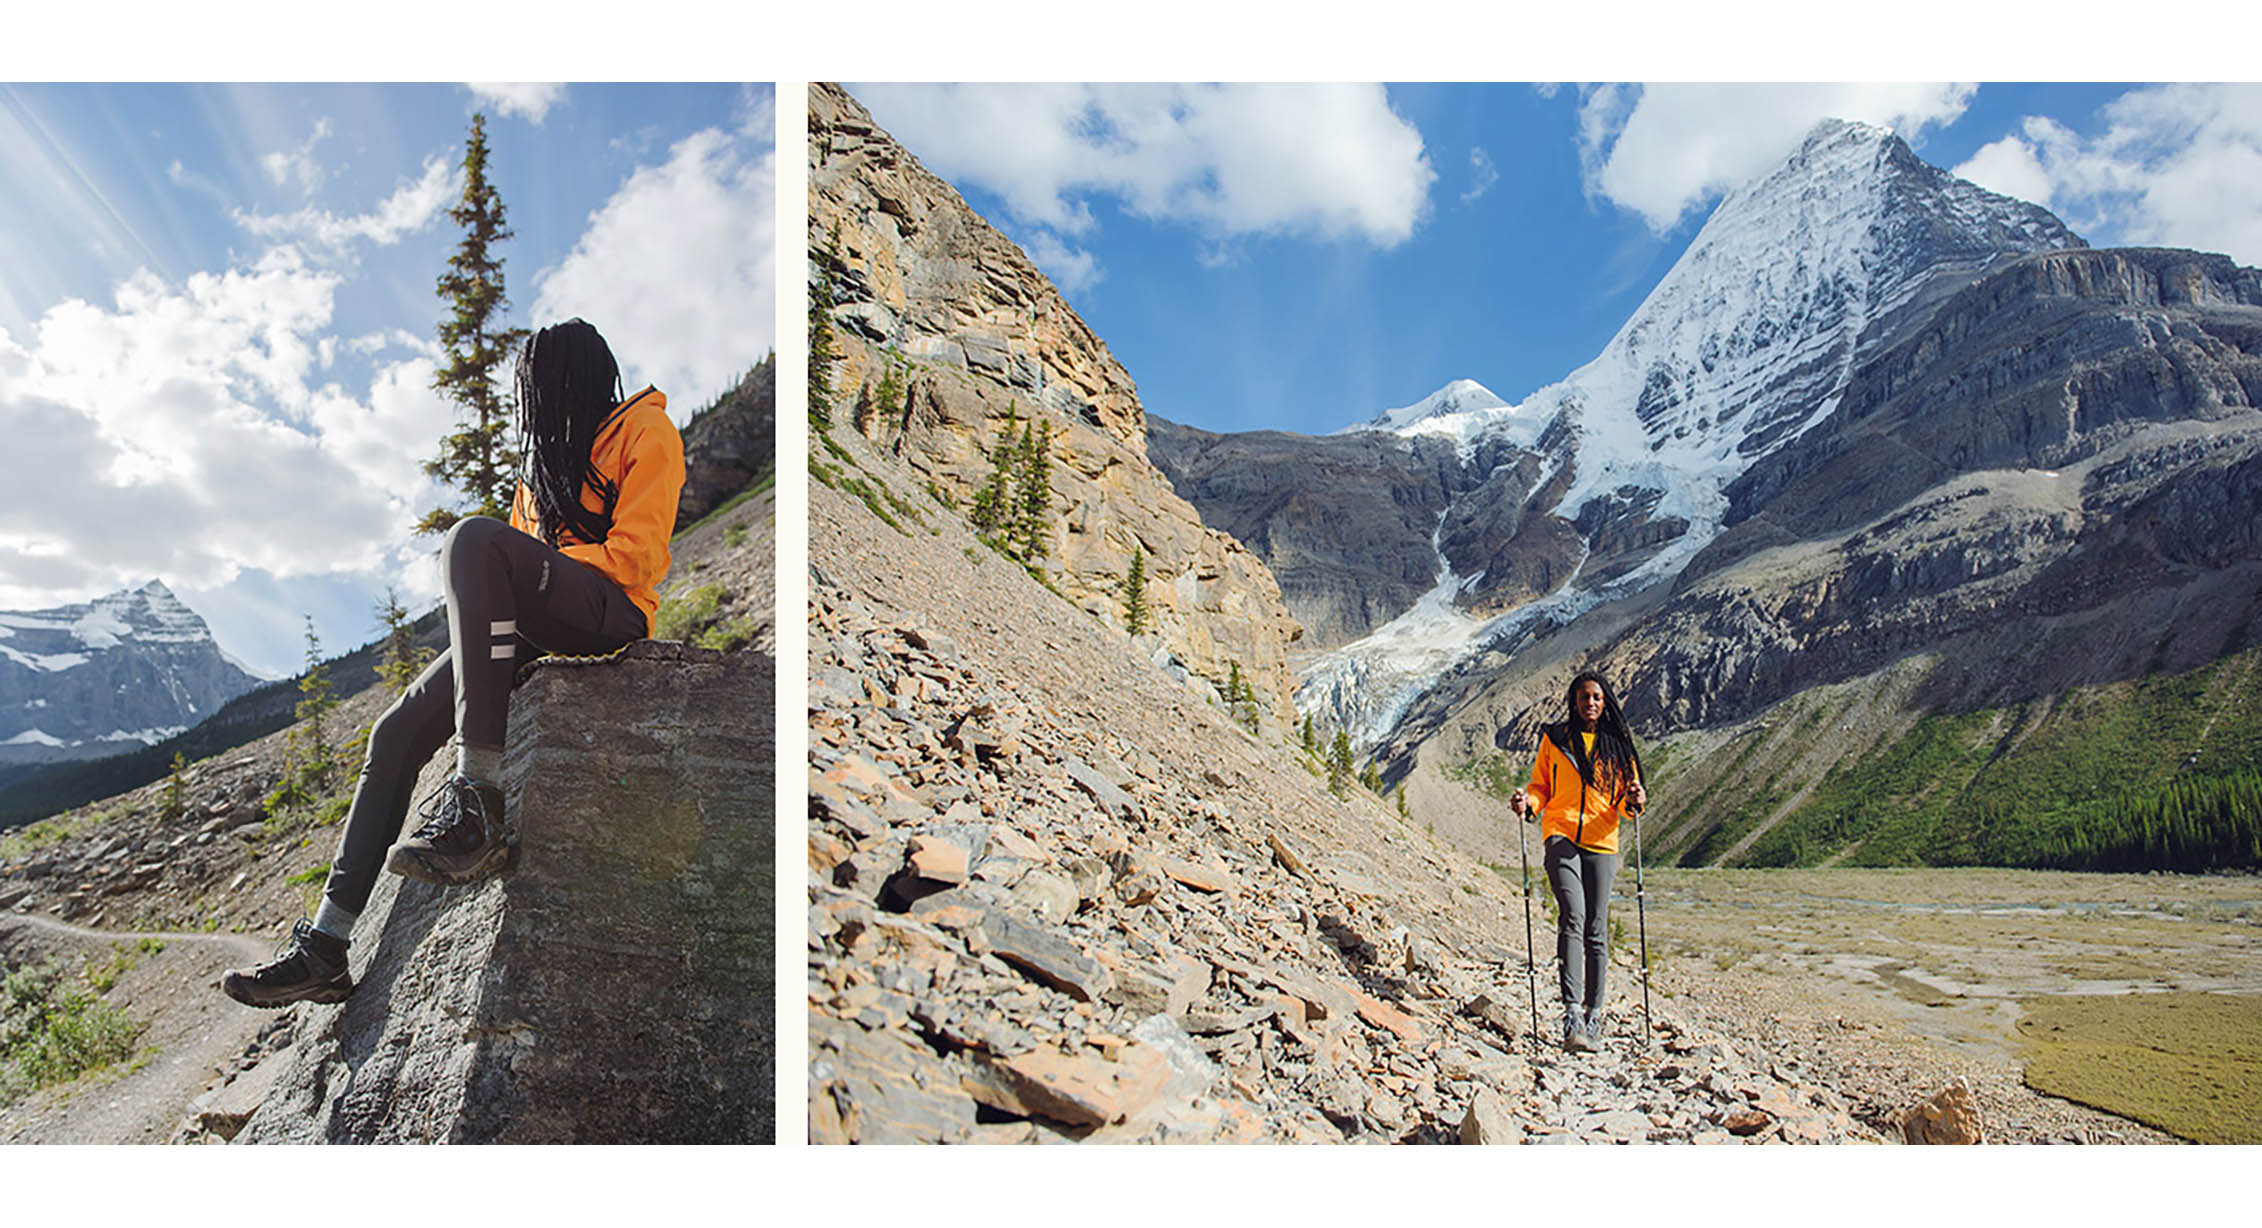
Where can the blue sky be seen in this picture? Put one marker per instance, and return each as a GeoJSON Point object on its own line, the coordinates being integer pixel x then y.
{"type": "Point", "coordinates": [1301, 258]}
{"type": "Point", "coordinates": [217, 315]}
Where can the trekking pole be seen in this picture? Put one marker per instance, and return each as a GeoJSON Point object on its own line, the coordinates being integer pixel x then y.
{"type": "Point", "coordinates": [1641, 919]}
{"type": "Point", "coordinates": [1523, 854]}
{"type": "Point", "coordinates": [1531, 966]}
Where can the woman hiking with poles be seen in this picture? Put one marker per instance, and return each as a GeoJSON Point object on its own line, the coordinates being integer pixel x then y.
{"type": "Point", "coordinates": [1586, 780]}
{"type": "Point", "coordinates": [575, 571]}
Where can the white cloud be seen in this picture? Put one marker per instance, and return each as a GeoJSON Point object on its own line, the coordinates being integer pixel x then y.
{"type": "Point", "coordinates": [175, 432]}
{"type": "Point", "coordinates": [1663, 151]}
{"type": "Point", "coordinates": [1482, 175]}
{"type": "Point", "coordinates": [1071, 268]}
{"type": "Point", "coordinates": [2175, 165]}
{"type": "Point", "coordinates": [2011, 167]}
{"type": "Point", "coordinates": [293, 165]}
{"type": "Point", "coordinates": [529, 101]}
{"type": "Point", "coordinates": [677, 269]}
{"type": "Point", "coordinates": [1329, 162]}
{"type": "Point", "coordinates": [410, 208]}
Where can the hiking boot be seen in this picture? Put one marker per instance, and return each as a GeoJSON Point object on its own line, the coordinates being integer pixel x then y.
{"type": "Point", "coordinates": [1575, 1038]}
{"type": "Point", "coordinates": [462, 840]}
{"type": "Point", "coordinates": [311, 968]}
{"type": "Point", "coordinates": [1594, 1024]}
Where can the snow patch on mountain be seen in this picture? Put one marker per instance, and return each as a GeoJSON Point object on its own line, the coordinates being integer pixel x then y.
{"type": "Point", "coordinates": [1746, 344]}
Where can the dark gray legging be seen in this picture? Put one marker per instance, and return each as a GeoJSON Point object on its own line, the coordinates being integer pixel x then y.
{"type": "Point", "coordinates": [506, 592]}
{"type": "Point", "coordinates": [1582, 920]}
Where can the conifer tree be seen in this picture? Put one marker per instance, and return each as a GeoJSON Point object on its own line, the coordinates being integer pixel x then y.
{"type": "Point", "coordinates": [175, 800]}
{"type": "Point", "coordinates": [1032, 494]}
{"type": "Point", "coordinates": [1404, 811]}
{"type": "Point", "coordinates": [404, 659]}
{"type": "Point", "coordinates": [314, 706]}
{"type": "Point", "coordinates": [888, 399]}
{"type": "Point", "coordinates": [476, 458]}
{"type": "Point", "coordinates": [863, 414]}
{"type": "Point", "coordinates": [992, 510]}
{"type": "Point", "coordinates": [1310, 736]}
{"type": "Point", "coordinates": [1135, 594]}
{"type": "Point", "coordinates": [823, 288]}
{"type": "Point", "coordinates": [1339, 765]}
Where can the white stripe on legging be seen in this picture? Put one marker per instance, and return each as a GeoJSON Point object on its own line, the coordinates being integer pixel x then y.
{"type": "Point", "coordinates": [505, 627]}
{"type": "Point", "coordinates": [503, 652]}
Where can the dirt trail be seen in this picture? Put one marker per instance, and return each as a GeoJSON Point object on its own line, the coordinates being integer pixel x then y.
{"type": "Point", "coordinates": [191, 1030]}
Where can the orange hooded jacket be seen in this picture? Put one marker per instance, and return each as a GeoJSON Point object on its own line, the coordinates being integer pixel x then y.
{"type": "Point", "coordinates": [1586, 815]}
{"type": "Point", "coordinates": [640, 451]}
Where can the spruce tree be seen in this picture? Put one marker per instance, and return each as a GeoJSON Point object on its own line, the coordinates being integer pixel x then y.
{"type": "Point", "coordinates": [1339, 765]}
{"type": "Point", "coordinates": [1245, 699]}
{"type": "Point", "coordinates": [476, 458]}
{"type": "Point", "coordinates": [1032, 495]}
{"type": "Point", "coordinates": [993, 511]}
{"type": "Point", "coordinates": [404, 659]}
{"type": "Point", "coordinates": [1135, 594]}
{"type": "Point", "coordinates": [314, 706]}
{"type": "Point", "coordinates": [888, 400]}
{"type": "Point", "coordinates": [863, 414]}
{"type": "Point", "coordinates": [823, 287]}
{"type": "Point", "coordinates": [1310, 737]}
{"type": "Point", "coordinates": [175, 799]}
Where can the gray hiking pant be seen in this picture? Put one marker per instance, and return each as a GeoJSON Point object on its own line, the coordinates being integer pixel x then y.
{"type": "Point", "coordinates": [509, 597]}
{"type": "Point", "coordinates": [1582, 921]}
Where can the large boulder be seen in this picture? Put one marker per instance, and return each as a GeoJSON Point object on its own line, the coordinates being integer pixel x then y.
{"type": "Point", "coordinates": [1949, 1117]}
{"type": "Point", "coordinates": [616, 985]}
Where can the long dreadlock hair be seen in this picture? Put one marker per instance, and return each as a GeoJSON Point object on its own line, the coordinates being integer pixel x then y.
{"type": "Point", "coordinates": [1614, 750]}
{"type": "Point", "coordinates": [568, 387]}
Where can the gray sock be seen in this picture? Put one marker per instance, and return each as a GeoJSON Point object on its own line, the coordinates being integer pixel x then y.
{"type": "Point", "coordinates": [335, 921]}
{"type": "Point", "coordinates": [480, 763]}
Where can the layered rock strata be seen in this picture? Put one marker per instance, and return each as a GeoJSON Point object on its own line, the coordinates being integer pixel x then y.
{"type": "Point", "coordinates": [616, 985]}
{"type": "Point", "coordinates": [983, 341]}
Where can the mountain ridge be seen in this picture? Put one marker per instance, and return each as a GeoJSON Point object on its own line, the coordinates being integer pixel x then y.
{"type": "Point", "coordinates": [135, 665]}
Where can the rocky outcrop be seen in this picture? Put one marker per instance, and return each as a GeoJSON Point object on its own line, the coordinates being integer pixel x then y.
{"type": "Point", "coordinates": [1356, 526]}
{"type": "Point", "coordinates": [730, 444]}
{"type": "Point", "coordinates": [982, 340]}
{"type": "Point", "coordinates": [616, 986]}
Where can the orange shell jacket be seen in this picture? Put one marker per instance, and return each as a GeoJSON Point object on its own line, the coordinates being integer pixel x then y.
{"type": "Point", "coordinates": [1586, 815]}
{"type": "Point", "coordinates": [640, 451]}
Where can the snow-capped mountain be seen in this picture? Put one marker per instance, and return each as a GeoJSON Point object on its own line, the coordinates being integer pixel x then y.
{"type": "Point", "coordinates": [1463, 400]}
{"type": "Point", "coordinates": [1748, 342]}
{"type": "Point", "coordinates": [127, 669]}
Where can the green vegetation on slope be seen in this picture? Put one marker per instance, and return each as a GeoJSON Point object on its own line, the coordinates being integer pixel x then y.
{"type": "Point", "coordinates": [54, 1027]}
{"type": "Point", "coordinates": [2187, 1063]}
{"type": "Point", "coordinates": [2163, 773]}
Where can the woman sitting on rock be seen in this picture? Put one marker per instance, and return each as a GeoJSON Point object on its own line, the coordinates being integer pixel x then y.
{"type": "Point", "coordinates": [1587, 778]}
{"type": "Point", "coordinates": [575, 571]}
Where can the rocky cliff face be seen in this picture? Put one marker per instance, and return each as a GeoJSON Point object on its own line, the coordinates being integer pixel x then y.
{"type": "Point", "coordinates": [115, 673]}
{"type": "Point", "coordinates": [730, 444]}
{"type": "Point", "coordinates": [2053, 483]}
{"type": "Point", "coordinates": [983, 340]}
{"type": "Point", "coordinates": [614, 987]}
